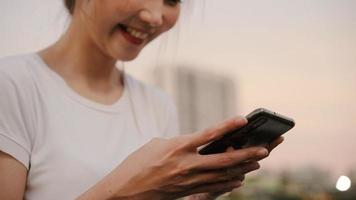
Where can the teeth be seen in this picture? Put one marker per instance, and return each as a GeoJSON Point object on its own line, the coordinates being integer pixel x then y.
{"type": "Point", "coordinates": [137, 34]}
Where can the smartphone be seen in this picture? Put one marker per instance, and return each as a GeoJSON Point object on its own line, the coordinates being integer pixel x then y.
{"type": "Point", "coordinates": [262, 128]}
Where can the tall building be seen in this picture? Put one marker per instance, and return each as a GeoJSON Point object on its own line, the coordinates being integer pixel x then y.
{"type": "Point", "coordinates": [203, 99]}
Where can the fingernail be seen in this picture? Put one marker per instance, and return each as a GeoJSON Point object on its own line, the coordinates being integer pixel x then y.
{"type": "Point", "coordinates": [241, 119]}
{"type": "Point", "coordinates": [263, 152]}
{"type": "Point", "coordinates": [238, 184]}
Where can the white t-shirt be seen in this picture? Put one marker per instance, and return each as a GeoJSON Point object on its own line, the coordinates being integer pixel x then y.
{"type": "Point", "coordinates": [69, 143]}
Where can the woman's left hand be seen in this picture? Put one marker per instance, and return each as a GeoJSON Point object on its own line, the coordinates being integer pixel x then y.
{"type": "Point", "coordinates": [212, 196]}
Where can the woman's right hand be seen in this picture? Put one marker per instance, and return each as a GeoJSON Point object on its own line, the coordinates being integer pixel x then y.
{"type": "Point", "coordinates": [172, 168]}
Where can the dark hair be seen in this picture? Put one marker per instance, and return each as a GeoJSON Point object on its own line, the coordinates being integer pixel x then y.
{"type": "Point", "coordinates": [70, 5]}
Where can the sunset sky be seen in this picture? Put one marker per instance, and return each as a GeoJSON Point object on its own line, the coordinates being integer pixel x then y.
{"type": "Point", "coordinates": [295, 57]}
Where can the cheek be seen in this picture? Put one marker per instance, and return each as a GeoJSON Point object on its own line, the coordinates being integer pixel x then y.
{"type": "Point", "coordinates": [104, 25]}
{"type": "Point", "coordinates": [98, 19]}
{"type": "Point", "coordinates": [172, 18]}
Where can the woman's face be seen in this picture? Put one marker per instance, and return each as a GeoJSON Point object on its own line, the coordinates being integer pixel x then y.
{"type": "Point", "coordinates": [121, 28]}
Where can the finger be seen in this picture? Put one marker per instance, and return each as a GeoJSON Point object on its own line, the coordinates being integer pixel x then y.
{"type": "Point", "coordinates": [229, 149]}
{"type": "Point", "coordinates": [224, 192]}
{"type": "Point", "coordinates": [217, 131]}
{"type": "Point", "coordinates": [239, 172]}
{"type": "Point", "coordinates": [242, 169]}
{"type": "Point", "coordinates": [214, 176]}
{"type": "Point", "coordinates": [229, 159]}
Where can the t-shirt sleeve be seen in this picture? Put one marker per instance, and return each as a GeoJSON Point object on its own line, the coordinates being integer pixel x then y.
{"type": "Point", "coordinates": [14, 136]}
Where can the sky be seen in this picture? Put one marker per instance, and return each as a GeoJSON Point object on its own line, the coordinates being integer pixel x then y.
{"type": "Point", "coordinates": [295, 57]}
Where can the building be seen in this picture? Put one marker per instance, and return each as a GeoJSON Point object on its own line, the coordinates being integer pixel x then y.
{"type": "Point", "coordinates": [203, 99]}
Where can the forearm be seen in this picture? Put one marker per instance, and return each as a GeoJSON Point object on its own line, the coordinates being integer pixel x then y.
{"type": "Point", "coordinates": [101, 191]}
{"type": "Point", "coordinates": [104, 191]}
{"type": "Point", "coordinates": [112, 189]}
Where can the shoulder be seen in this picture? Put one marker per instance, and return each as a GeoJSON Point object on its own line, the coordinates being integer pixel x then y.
{"type": "Point", "coordinates": [13, 63]}
{"type": "Point", "coordinates": [15, 68]}
{"type": "Point", "coordinates": [17, 111]}
{"type": "Point", "coordinates": [17, 82]}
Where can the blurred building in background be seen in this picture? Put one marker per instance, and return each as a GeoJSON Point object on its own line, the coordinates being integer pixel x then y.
{"type": "Point", "coordinates": [202, 98]}
{"type": "Point", "coordinates": [205, 98]}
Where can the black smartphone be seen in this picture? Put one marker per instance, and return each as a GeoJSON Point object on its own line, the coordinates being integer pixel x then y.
{"type": "Point", "coordinates": [262, 128]}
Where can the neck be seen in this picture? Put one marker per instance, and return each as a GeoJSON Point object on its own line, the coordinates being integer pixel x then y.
{"type": "Point", "coordinates": [78, 59]}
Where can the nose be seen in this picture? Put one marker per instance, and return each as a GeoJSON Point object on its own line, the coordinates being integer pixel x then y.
{"type": "Point", "coordinates": [152, 13]}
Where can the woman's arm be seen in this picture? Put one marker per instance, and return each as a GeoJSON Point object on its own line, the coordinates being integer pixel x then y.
{"type": "Point", "coordinates": [13, 175]}
{"type": "Point", "coordinates": [168, 169]}
{"type": "Point", "coordinates": [161, 169]}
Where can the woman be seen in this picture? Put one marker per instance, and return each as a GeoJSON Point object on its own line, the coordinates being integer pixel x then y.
{"type": "Point", "coordinates": [71, 121]}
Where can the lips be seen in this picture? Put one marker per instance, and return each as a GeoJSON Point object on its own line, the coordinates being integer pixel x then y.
{"type": "Point", "coordinates": [133, 35]}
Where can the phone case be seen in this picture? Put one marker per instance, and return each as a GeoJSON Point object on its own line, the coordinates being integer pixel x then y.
{"type": "Point", "coordinates": [263, 127]}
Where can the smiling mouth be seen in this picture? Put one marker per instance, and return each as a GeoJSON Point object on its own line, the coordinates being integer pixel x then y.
{"type": "Point", "coordinates": [133, 35]}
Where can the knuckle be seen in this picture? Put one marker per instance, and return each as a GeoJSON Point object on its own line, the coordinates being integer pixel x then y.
{"type": "Point", "coordinates": [182, 187]}
{"type": "Point", "coordinates": [242, 178]}
{"type": "Point", "coordinates": [177, 149]}
{"type": "Point", "coordinates": [252, 153]}
{"type": "Point", "coordinates": [251, 167]}
{"type": "Point", "coordinates": [182, 143]}
{"type": "Point", "coordinates": [226, 125]}
{"type": "Point", "coordinates": [226, 160]}
{"type": "Point", "coordinates": [182, 170]}
{"type": "Point", "coordinates": [256, 165]}
{"type": "Point", "coordinates": [229, 187]}
{"type": "Point", "coordinates": [177, 145]}
{"type": "Point", "coordinates": [220, 176]}
{"type": "Point", "coordinates": [210, 133]}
